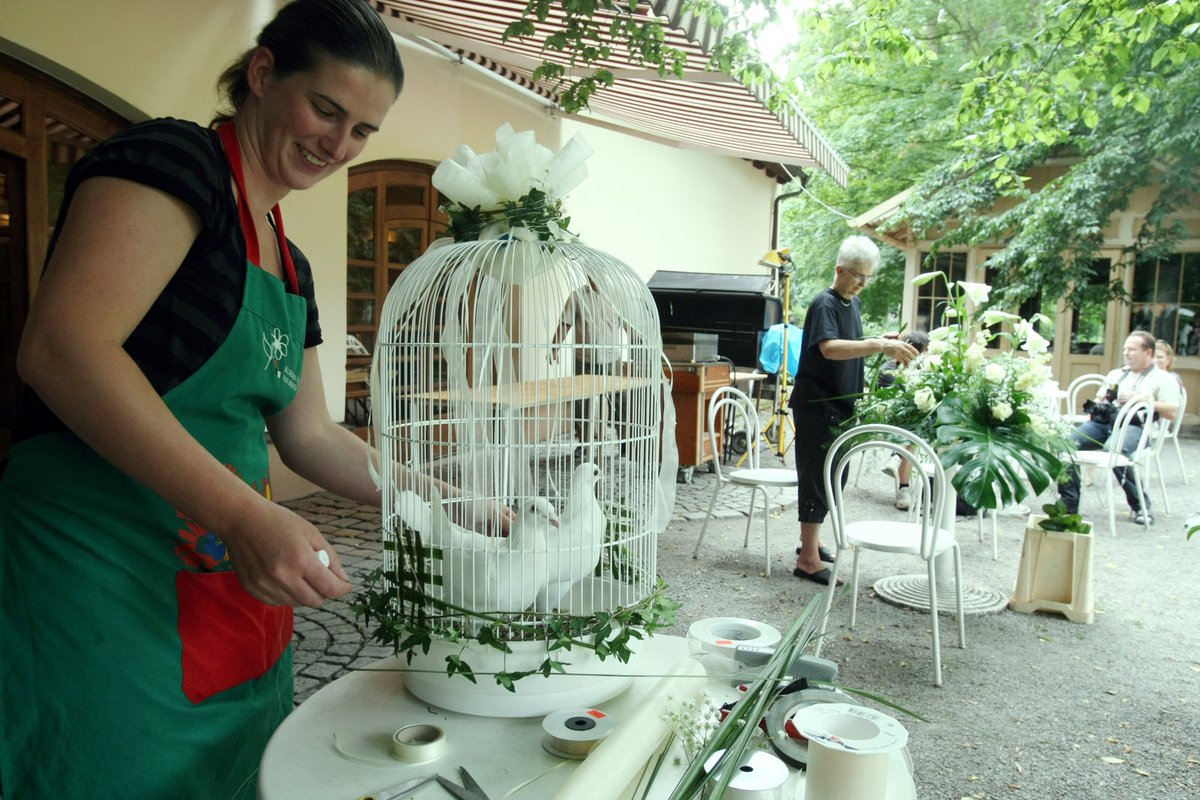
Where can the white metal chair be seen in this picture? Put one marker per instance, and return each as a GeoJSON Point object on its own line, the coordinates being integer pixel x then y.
{"type": "Point", "coordinates": [731, 401]}
{"type": "Point", "coordinates": [922, 537]}
{"type": "Point", "coordinates": [1082, 388]}
{"type": "Point", "coordinates": [1113, 459]}
{"type": "Point", "coordinates": [1170, 433]}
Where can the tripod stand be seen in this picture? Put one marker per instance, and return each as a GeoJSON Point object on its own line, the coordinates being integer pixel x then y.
{"type": "Point", "coordinates": [774, 430]}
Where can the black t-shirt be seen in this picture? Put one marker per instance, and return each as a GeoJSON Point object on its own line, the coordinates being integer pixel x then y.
{"type": "Point", "coordinates": [195, 312]}
{"type": "Point", "coordinates": [821, 380]}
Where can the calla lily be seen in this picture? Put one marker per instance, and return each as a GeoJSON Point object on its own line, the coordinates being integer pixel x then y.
{"type": "Point", "coordinates": [994, 316]}
{"type": "Point", "coordinates": [977, 292]}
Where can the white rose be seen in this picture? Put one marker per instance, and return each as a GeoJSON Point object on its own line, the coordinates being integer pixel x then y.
{"type": "Point", "coordinates": [973, 358]}
{"type": "Point", "coordinates": [994, 372]}
{"type": "Point", "coordinates": [1002, 411]}
{"type": "Point", "coordinates": [924, 399]}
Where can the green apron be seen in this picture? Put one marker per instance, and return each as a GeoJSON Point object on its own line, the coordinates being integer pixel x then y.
{"type": "Point", "coordinates": [132, 662]}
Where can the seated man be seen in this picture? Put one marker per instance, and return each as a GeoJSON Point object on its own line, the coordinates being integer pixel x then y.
{"type": "Point", "coordinates": [1139, 379]}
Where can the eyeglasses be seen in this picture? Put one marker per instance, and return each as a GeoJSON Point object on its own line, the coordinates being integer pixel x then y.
{"type": "Point", "coordinates": [858, 276]}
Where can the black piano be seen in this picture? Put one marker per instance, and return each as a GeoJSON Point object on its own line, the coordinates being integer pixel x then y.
{"type": "Point", "coordinates": [738, 308]}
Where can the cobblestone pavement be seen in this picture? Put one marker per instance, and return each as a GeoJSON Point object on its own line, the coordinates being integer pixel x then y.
{"type": "Point", "coordinates": [328, 643]}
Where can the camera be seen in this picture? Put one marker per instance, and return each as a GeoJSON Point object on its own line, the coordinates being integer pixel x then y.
{"type": "Point", "coordinates": [1101, 413]}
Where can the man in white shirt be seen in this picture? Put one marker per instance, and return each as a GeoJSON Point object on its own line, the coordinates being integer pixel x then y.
{"type": "Point", "coordinates": [1139, 379]}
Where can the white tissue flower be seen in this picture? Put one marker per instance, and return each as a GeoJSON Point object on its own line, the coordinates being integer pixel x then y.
{"type": "Point", "coordinates": [924, 399]}
{"type": "Point", "coordinates": [1002, 411]}
{"type": "Point", "coordinates": [994, 372]}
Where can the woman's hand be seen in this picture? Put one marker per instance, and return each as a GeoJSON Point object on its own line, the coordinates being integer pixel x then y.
{"type": "Point", "coordinates": [275, 554]}
{"type": "Point", "coordinates": [487, 517]}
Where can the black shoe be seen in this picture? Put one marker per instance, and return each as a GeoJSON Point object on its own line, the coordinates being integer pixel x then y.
{"type": "Point", "coordinates": [823, 553]}
{"type": "Point", "coordinates": [1143, 518]}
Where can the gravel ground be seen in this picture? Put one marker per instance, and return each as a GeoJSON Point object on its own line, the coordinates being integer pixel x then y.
{"type": "Point", "coordinates": [1035, 706]}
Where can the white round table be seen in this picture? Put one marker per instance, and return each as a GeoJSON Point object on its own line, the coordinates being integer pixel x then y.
{"type": "Point", "coordinates": [336, 745]}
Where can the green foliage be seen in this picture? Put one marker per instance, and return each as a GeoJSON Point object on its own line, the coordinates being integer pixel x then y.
{"type": "Point", "coordinates": [1106, 88]}
{"type": "Point", "coordinates": [534, 211]}
{"type": "Point", "coordinates": [1059, 519]}
{"type": "Point", "coordinates": [596, 30]}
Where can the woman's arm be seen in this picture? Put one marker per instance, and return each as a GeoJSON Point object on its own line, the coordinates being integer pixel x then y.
{"type": "Point", "coordinates": [320, 450]}
{"type": "Point", "coordinates": [118, 248]}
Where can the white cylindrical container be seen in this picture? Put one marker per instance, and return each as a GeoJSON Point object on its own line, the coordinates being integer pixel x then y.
{"type": "Point", "coordinates": [849, 748]}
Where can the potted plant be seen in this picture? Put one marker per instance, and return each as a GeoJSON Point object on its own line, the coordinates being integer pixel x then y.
{"type": "Point", "coordinates": [1056, 565]}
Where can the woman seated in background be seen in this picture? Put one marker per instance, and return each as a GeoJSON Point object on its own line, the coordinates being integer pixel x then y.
{"type": "Point", "coordinates": [1164, 359]}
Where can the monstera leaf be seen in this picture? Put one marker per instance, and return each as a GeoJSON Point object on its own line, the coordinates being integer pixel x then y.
{"type": "Point", "coordinates": [998, 463]}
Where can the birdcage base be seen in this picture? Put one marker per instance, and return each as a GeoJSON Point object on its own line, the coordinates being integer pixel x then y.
{"type": "Point", "coordinates": [587, 682]}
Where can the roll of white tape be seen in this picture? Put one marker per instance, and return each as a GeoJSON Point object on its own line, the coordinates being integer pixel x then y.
{"type": "Point", "coordinates": [416, 743]}
{"type": "Point", "coordinates": [760, 776]}
{"type": "Point", "coordinates": [573, 732]}
{"type": "Point", "coordinates": [848, 750]}
{"type": "Point", "coordinates": [722, 635]}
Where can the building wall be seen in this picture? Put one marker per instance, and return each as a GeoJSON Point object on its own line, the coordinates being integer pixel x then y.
{"type": "Point", "coordinates": [653, 206]}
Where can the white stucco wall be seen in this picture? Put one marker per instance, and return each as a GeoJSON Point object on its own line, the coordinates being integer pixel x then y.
{"type": "Point", "coordinates": [653, 206]}
{"type": "Point", "coordinates": [657, 207]}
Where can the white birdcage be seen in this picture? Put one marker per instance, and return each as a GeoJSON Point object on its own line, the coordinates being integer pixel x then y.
{"type": "Point", "coordinates": [526, 376]}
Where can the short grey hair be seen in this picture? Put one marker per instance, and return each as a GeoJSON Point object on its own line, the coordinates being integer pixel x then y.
{"type": "Point", "coordinates": [858, 251]}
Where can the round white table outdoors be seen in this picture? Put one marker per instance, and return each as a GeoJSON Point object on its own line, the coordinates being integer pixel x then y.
{"type": "Point", "coordinates": [336, 745]}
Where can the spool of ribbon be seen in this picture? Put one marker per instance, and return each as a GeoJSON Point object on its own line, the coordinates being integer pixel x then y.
{"type": "Point", "coordinates": [759, 776]}
{"type": "Point", "coordinates": [417, 743]}
{"type": "Point", "coordinates": [573, 732]}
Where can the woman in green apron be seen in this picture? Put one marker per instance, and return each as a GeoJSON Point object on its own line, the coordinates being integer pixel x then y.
{"type": "Point", "coordinates": [147, 577]}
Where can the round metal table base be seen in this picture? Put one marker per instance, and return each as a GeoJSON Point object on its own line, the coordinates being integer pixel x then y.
{"type": "Point", "coordinates": [912, 591]}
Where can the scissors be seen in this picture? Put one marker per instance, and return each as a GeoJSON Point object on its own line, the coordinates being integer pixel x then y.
{"type": "Point", "coordinates": [396, 792]}
{"type": "Point", "coordinates": [470, 790]}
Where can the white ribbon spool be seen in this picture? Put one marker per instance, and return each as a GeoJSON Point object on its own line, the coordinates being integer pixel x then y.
{"type": "Point", "coordinates": [760, 776]}
{"type": "Point", "coordinates": [849, 748]}
{"type": "Point", "coordinates": [573, 732]}
{"type": "Point", "coordinates": [417, 743]}
{"type": "Point", "coordinates": [723, 635]}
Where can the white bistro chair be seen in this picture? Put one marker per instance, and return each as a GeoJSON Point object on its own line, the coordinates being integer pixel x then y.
{"type": "Point", "coordinates": [732, 406]}
{"type": "Point", "coordinates": [1142, 455]}
{"type": "Point", "coordinates": [1082, 388]}
{"type": "Point", "coordinates": [1170, 433]}
{"type": "Point", "coordinates": [921, 536]}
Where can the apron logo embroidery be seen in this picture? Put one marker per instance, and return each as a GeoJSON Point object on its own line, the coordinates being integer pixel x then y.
{"type": "Point", "coordinates": [276, 348]}
{"type": "Point", "coordinates": [275, 345]}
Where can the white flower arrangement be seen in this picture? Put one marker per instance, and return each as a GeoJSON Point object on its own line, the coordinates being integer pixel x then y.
{"type": "Point", "coordinates": [515, 192]}
{"type": "Point", "coordinates": [990, 416]}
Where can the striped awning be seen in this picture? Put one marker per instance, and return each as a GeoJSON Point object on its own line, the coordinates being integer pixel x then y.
{"type": "Point", "coordinates": [704, 110]}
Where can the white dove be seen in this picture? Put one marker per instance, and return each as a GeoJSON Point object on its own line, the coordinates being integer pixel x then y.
{"type": "Point", "coordinates": [573, 548]}
{"type": "Point", "coordinates": [483, 573]}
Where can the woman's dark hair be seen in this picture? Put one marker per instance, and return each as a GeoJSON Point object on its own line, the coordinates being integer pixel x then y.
{"type": "Point", "coordinates": [304, 31]}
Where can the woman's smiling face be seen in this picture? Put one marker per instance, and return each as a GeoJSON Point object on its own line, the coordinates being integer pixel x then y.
{"type": "Point", "coordinates": [312, 123]}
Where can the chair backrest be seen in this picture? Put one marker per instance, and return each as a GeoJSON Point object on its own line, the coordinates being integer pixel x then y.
{"type": "Point", "coordinates": [928, 479]}
{"type": "Point", "coordinates": [1077, 391]}
{"type": "Point", "coordinates": [1134, 413]}
{"type": "Point", "coordinates": [1177, 423]}
{"type": "Point", "coordinates": [730, 407]}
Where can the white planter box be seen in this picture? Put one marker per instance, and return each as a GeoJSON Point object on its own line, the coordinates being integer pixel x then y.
{"type": "Point", "coordinates": [1055, 574]}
